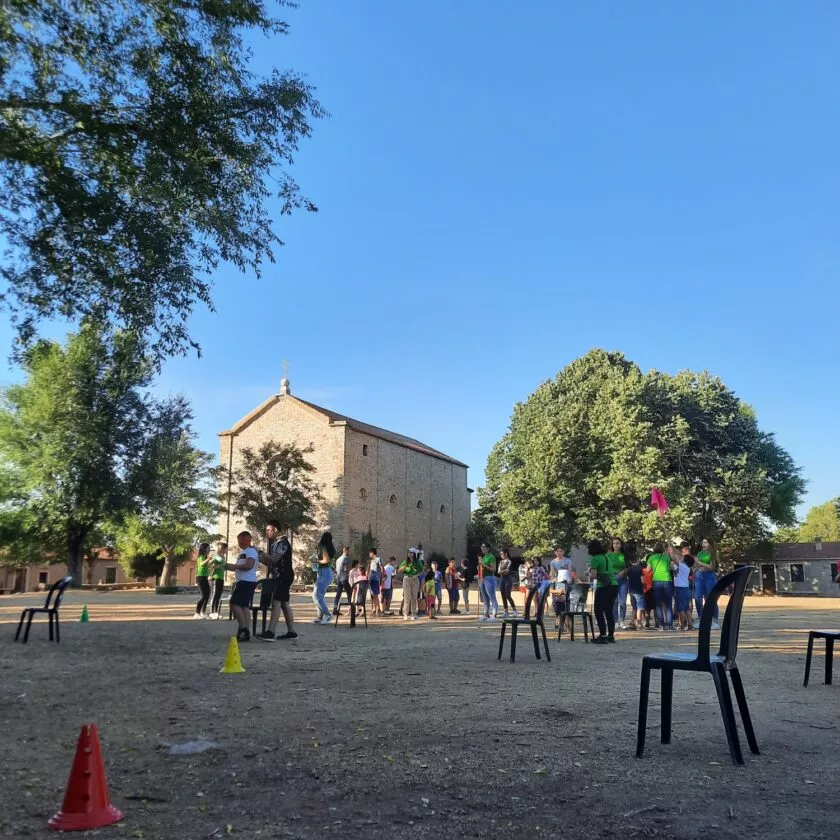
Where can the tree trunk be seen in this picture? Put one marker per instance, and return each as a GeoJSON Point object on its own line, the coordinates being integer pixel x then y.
{"type": "Point", "coordinates": [75, 560]}
{"type": "Point", "coordinates": [168, 565]}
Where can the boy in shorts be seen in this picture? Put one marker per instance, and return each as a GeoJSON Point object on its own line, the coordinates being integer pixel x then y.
{"type": "Point", "coordinates": [388, 584]}
{"type": "Point", "coordinates": [245, 568]}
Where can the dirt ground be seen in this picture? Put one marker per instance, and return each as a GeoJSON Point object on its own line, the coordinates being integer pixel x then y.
{"type": "Point", "coordinates": [408, 729]}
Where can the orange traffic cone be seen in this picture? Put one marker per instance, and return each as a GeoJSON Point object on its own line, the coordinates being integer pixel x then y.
{"type": "Point", "coordinates": [86, 802]}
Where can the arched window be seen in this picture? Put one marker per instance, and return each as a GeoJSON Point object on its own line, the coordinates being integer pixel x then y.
{"type": "Point", "coordinates": [393, 499]}
{"type": "Point", "coordinates": [442, 509]}
{"type": "Point", "coordinates": [363, 493]}
{"type": "Point", "coordinates": [420, 505]}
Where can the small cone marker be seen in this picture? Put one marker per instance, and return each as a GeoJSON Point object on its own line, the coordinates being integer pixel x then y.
{"type": "Point", "coordinates": [233, 664]}
{"type": "Point", "coordinates": [86, 802]}
{"type": "Point", "coordinates": [85, 617]}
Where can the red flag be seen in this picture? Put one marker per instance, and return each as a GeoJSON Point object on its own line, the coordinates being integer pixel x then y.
{"type": "Point", "coordinates": [658, 501]}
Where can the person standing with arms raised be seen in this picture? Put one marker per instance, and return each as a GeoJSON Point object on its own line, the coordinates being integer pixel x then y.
{"type": "Point", "coordinates": [325, 555]}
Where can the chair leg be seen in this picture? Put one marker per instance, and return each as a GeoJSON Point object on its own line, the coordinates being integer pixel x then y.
{"type": "Point", "coordinates": [829, 659]}
{"type": "Point", "coordinates": [560, 626]}
{"type": "Point", "coordinates": [57, 631]}
{"type": "Point", "coordinates": [20, 624]}
{"type": "Point", "coordinates": [545, 642]}
{"type": "Point", "coordinates": [364, 615]}
{"type": "Point", "coordinates": [667, 701]}
{"type": "Point", "coordinates": [50, 622]}
{"type": "Point", "coordinates": [502, 640]}
{"type": "Point", "coordinates": [644, 690]}
{"type": "Point", "coordinates": [352, 611]}
{"type": "Point", "coordinates": [28, 628]}
{"type": "Point", "coordinates": [513, 631]}
{"type": "Point", "coordinates": [536, 641]}
{"type": "Point", "coordinates": [253, 623]}
{"type": "Point", "coordinates": [337, 612]}
{"type": "Point", "coordinates": [741, 697]}
{"type": "Point", "coordinates": [727, 712]}
{"type": "Point", "coordinates": [808, 658]}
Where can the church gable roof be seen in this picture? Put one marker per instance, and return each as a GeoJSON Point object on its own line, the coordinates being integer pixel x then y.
{"type": "Point", "coordinates": [335, 418]}
{"type": "Point", "coordinates": [382, 434]}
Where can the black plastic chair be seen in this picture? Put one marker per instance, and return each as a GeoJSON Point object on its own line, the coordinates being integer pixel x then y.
{"type": "Point", "coordinates": [50, 607]}
{"type": "Point", "coordinates": [356, 601]}
{"type": "Point", "coordinates": [576, 597]}
{"type": "Point", "coordinates": [718, 665]}
{"type": "Point", "coordinates": [266, 589]}
{"type": "Point", "coordinates": [829, 636]}
{"type": "Point", "coordinates": [533, 621]}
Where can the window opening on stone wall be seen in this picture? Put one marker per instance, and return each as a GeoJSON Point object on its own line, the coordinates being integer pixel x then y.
{"type": "Point", "coordinates": [42, 577]}
{"type": "Point", "coordinates": [419, 505]}
{"type": "Point", "coordinates": [797, 573]}
{"type": "Point", "coordinates": [393, 499]}
{"type": "Point", "coordinates": [110, 574]}
{"type": "Point", "coordinates": [364, 449]}
{"type": "Point", "coordinates": [363, 493]}
{"type": "Point", "coordinates": [443, 509]}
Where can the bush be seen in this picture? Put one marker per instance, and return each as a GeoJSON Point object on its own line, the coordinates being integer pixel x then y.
{"type": "Point", "coordinates": [167, 590]}
{"type": "Point", "coordinates": [441, 559]}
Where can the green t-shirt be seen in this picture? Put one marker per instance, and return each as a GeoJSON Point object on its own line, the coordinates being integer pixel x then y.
{"type": "Point", "coordinates": [616, 561]}
{"type": "Point", "coordinates": [218, 567]}
{"type": "Point", "coordinates": [429, 587]}
{"type": "Point", "coordinates": [706, 558]}
{"type": "Point", "coordinates": [202, 565]}
{"type": "Point", "coordinates": [489, 564]}
{"type": "Point", "coordinates": [660, 565]}
{"type": "Point", "coordinates": [600, 564]}
{"type": "Point", "coordinates": [411, 568]}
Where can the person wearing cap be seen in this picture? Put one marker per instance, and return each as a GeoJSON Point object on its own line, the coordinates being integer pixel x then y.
{"type": "Point", "coordinates": [410, 569]}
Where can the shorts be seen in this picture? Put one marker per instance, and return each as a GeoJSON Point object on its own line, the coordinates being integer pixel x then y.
{"type": "Point", "coordinates": [637, 602]}
{"type": "Point", "coordinates": [430, 602]}
{"type": "Point", "coordinates": [650, 601]}
{"type": "Point", "coordinates": [283, 589]}
{"type": "Point", "coordinates": [373, 584]}
{"type": "Point", "coordinates": [243, 593]}
{"type": "Point", "coordinates": [682, 598]}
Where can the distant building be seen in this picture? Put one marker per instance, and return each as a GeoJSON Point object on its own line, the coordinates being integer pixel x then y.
{"type": "Point", "coordinates": [403, 490]}
{"type": "Point", "coordinates": [799, 569]}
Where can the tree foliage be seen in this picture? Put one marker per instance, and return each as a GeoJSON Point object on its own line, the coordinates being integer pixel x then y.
{"type": "Point", "coordinates": [582, 453]}
{"type": "Point", "coordinates": [275, 482]}
{"type": "Point", "coordinates": [367, 542]}
{"type": "Point", "coordinates": [822, 522]}
{"type": "Point", "coordinates": [76, 439]}
{"type": "Point", "coordinates": [137, 151]}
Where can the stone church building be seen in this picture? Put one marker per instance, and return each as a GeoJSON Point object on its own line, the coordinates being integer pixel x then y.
{"type": "Point", "coordinates": [405, 491]}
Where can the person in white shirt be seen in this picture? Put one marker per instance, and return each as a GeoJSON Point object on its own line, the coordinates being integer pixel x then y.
{"type": "Point", "coordinates": [375, 581]}
{"type": "Point", "coordinates": [388, 584]}
{"type": "Point", "coordinates": [561, 572]}
{"type": "Point", "coordinates": [245, 568]}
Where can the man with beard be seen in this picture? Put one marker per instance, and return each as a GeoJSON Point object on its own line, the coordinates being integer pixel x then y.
{"type": "Point", "coordinates": [278, 560]}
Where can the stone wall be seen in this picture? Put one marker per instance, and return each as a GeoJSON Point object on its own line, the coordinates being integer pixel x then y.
{"type": "Point", "coordinates": [818, 579]}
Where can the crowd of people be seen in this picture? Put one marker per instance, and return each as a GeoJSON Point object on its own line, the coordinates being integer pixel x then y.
{"type": "Point", "coordinates": [663, 588]}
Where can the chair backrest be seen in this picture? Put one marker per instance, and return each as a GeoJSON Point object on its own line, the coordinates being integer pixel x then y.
{"type": "Point", "coordinates": [359, 593]}
{"type": "Point", "coordinates": [266, 590]}
{"type": "Point", "coordinates": [57, 592]}
{"type": "Point", "coordinates": [577, 594]}
{"type": "Point", "coordinates": [732, 617]}
{"type": "Point", "coordinates": [541, 596]}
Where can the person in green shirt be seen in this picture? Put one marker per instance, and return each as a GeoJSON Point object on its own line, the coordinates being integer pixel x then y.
{"type": "Point", "coordinates": [663, 587]}
{"type": "Point", "coordinates": [487, 583]}
{"type": "Point", "coordinates": [705, 578]}
{"type": "Point", "coordinates": [217, 575]}
{"type": "Point", "coordinates": [617, 561]}
{"type": "Point", "coordinates": [202, 567]}
{"type": "Point", "coordinates": [410, 569]}
{"type": "Point", "coordinates": [603, 572]}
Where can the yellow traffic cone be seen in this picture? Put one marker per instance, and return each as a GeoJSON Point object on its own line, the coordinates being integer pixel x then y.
{"type": "Point", "coordinates": [233, 664]}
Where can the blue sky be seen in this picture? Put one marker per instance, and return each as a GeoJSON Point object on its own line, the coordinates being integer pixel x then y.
{"type": "Point", "coordinates": [504, 186]}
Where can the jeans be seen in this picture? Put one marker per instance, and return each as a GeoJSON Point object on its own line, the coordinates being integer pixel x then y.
{"type": "Point", "coordinates": [319, 594]}
{"type": "Point", "coordinates": [620, 607]}
{"type": "Point", "coordinates": [488, 595]}
{"type": "Point", "coordinates": [604, 602]}
{"type": "Point", "coordinates": [342, 586]}
{"type": "Point", "coordinates": [704, 582]}
{"type": "Point", "coordinates": [507, 589]}
{"type": "Point", "coordinates": [637, 603]}
{"type": "Point", "coordinates": [204, 588]}
{"type": "Point", "coordinates": [454, 596]}
{"type": "Point", "coordinates": [662, 590]}
{"type": "Point", "coordinates": [218, 587]}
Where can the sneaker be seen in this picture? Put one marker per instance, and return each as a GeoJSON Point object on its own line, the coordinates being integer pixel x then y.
{"type": "Point", "coordinates": [317, 620]}
{"type": "Point", "coordinates": [456, 612]}
{"type": "Point", "coordinates": [695, 625]}
{"type": "Point", "coordinates": [413, 617]}
{"type": "Point", "coordinates": [289, 635]}
{"type": "Point", "coordinates": [482, 618]}
{"type": "Point", "coordinates": [213, 616]}
{"type": "Point", "coordinates": [715, 626]}
{"type": "Point", "coordinates": [516, 613]}
{"type": "Point", "coordinates": [611, 639]}
{"type": "Point", "coordinates": [621, 625]}
{"type": "Point", "coordinates": [405, 618]}
{"type": "Point", "coordinates": [268, 636]}
{"type": "Point", "coordinates": [243, 635]}
{"type": "Point", "coordinates": [601, 640]}
{"type": "Point", "coordinates": [326, 619]}
{"type": "Point", "coordinates": [505, 614]}
{"type": "Point", "coordinates": [491, 618]}
{"type": "Point", "coordinates": [197, 615]}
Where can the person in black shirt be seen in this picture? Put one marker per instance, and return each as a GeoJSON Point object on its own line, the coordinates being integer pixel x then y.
{"type": "Point", "coordinates": [636, 590]}
{"type": "Point", "coordinates": [467, 577]}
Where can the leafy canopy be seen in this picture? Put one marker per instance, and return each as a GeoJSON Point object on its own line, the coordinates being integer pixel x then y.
{"type": "Point", "coordinates": [582, 453]}
{"type": "Point", "coordinates": [822, 522]}
{"type": "Point", "coordinates": [137, 151]}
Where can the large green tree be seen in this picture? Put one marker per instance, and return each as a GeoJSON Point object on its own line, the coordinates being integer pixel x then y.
{"type": "Point", "coordinates": [175, 495]}
{"type": "Point", "coordinates": [822, 522]}
{"type": "Point", "coordinates": [138, 150]}
{"type": "Point", "coordinates": [73, 438]}
{"type": "Point", "coordinates": [582, 453]}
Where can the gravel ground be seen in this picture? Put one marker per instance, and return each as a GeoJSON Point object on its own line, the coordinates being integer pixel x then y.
{"type": "Point", "coordinates": [408, 729]}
